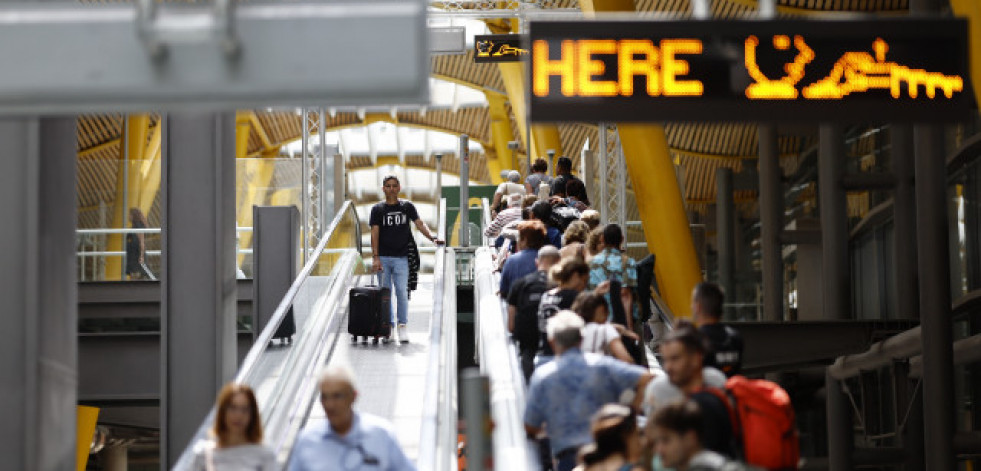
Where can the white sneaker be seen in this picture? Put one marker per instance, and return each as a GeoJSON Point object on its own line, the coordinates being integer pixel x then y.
{"type": "Point", "coordinates": [403, 335]}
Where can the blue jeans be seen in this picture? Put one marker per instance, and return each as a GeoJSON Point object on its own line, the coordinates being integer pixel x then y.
{"type": "Point", "coordinates": [395, 270]}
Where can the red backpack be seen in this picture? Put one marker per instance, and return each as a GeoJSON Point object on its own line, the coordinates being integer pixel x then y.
{"type": "Point", "coordinates": [763, 422]}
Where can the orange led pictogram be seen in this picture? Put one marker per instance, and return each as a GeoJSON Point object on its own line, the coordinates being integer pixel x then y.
{"type": "Point", "coordinates": [783, 89]}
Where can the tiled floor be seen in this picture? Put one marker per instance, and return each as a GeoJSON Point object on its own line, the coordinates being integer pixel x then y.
{"type": "Point", "coordinates": [391, 377]}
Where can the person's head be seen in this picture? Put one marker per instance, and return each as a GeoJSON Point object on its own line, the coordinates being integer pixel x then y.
{"type": "Point", "coordinates": [577, 231]}
{"type": "Point", "coordinates": [570, 273]}
{"type": "Point", "coordinates": [591, 217]}
{"type": "Point", "coordinates": [514, 176]}
{"type": "Point", "coordinates": [576, 189]}
{"type": "Point", "coordinates": [563, 166]}
{"type": "Point", "coordinates": [531, 234]}
{"type": "Point", "coordinates": [337, 395]}
{"type": "Point", "coordinates": [391, 187]}
{"type": "Point", "coordinates": [237, 415]}
{"type": "Point", "coordinates": [682, 354]}
{"type": "Point", "coordinates": [591, 307]}
{"type": "Point", "coordinates": [136, 215]}
{"type": "Point", "coordinates": [564, 331]}
{"type": "Point", "coordinates": [675, 432]}
{"type": "Point", "coordinates": [542, 211]}
{"type": "Point", "coordinates": [594, 241]}
{"type": "Point", "coordinates": [614, 429]}
{"type": "Point", "coordinates": [548, 256]}
{"type": "Point", "coordinates": [612, 236]}
{"type": "Point", "coordinates": [706, 303]}
{"type": "Point", "coordinates": [528, 200]}
{"type": "Point", "coordinates": [540, 165]}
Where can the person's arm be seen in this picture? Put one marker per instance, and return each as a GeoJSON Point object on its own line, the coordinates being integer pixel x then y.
{"type": "Point", "coordinates": [424, 229]}
{"type": "Point", "coordinates": [512, 313]}
{"type": "Point", "coordinates": [627, 298]}
{"type": "Point", "coordinates": [495, 203]}
{"type": "Point", "coordinates": [642, 383]}
{"type": "Point", "coordinates": [618, 351]}
{"type": "Point", "coordinates": [375, 257]}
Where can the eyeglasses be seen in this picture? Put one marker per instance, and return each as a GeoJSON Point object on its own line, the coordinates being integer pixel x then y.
{"type": "Point", "coordinates": [355, 457]}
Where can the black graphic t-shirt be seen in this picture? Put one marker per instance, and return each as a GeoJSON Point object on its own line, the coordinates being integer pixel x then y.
{"type": "Point", "coordinates": [393, 227]}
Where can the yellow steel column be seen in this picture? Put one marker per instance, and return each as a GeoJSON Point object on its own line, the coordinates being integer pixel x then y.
{"type": "Point", "coordinates": [659, 199]}
{"type": "Point", "coordinates": [86, 418]}
{"type": "Point", "coordinates": [543, 136]}
{"type": "Point", "coordinates": [149, 173]}
{"type": "Point", "coordinates": [134, 138]}
{"type": "Point", "coordinates": [253, 175]}
{"type": "Point", "coordinates": [971, 10]}
{"type": "Point", "coordinates": [500, 128]}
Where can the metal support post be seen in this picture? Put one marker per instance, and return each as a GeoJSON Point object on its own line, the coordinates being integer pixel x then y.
{"type": "Point", "coordinates": [904, 222]}
{"type": "Point", "coordinates": [274, 260]}
{"type": "Point", "coordinates": [835, 271]}
{"type": "Point", "coordinates": [340, 180]}
{"type": "Point", "coordinates": [198, 283]}
{"type": "Point", "coordinates": [324, 216]}
{"type": "Point", "coordinates": [38, 342]}
{"type": "Point", "coordinates": [475, 392]}
{"type": "Point", "coordinates": [304, 183]}
{"type": "Point", "coordinates": [439, 189]}
{"type": "Point", "coordinates": [464, 156]}
{"type": "Point", "coordinates": [934, 265]}
{"type": "Point", "coordinates": [771, 222]}
{"type": "Point", "coordinates": [725, 230]}
{"type": "Point", "coordinates": [909, 415]}
{"type": "Point", "coordinates": [840, 430]}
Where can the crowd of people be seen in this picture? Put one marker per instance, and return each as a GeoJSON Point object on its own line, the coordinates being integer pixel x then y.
{"type": "Point", "coordinates": [576, 311]}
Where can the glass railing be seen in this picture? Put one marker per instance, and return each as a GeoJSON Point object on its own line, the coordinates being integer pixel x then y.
{"type": "Point", "coordinates": [284, 376]}
{"type": "Point", "coordinates": [438, 439]}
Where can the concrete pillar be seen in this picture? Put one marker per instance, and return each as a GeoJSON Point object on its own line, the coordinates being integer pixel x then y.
{"type": "Point", "coordinates": [275, 256]}
{"type": "Point", "coordinates": [38, 341]}
{"type": "Point", "coordinates": [198, 283]}
{"type": "Point", "coordinates": [904, 223]}
{"type": "Point", "coordinates": [725, 236]}
{"type": "Point", "coordinates": [934, 263]}
{"type": "Point", "coordinates": [771, 222]}
{"type": "Point", "coordinates": [836, 272]}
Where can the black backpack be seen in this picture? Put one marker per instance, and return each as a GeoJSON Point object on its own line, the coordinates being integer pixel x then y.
{"type": "Point", "coordinates": [526, 315]}
{"type": "Point", "coordinates": [562, 216]}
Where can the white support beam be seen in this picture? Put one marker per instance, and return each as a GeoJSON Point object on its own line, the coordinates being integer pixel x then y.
{"type": "Point", "coordinates": [62, 49]}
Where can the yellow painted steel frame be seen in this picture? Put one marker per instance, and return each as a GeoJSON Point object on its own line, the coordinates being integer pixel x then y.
{"type": "Point", "coordinates": [135, 133]}
{"type": "Point", "coordinates": [86, 418]}
{"type": "Point", "coordinates": [971, 9]}
{"type": "Point", "coordinates": [659, 199]}
{"type": "Point", "coordinates": [254, 177]}
{"type": "Point", "coordinates": [500, 128]}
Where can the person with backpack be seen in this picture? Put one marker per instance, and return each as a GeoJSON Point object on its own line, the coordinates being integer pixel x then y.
{"type": "Point", "coordinates": [537, 176]}
{"type": "Point", "coordinates": [563, 171]}
{"type": "Point", "coordinates": [542, 211]}
{"type": "Point", "coordinates": [725, 345]}
{"type": "Point", "coordinates": [570, 277]}
{"type": "Point", "coordinates": [523, 301]}
{"type": "Point", "coordinates": [612, 265]}
{"type": "Point", "coordinates": [675, 433]}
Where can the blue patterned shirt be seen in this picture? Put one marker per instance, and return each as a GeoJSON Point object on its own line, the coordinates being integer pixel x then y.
{"type": "Point", "coordinates": [612, 264]}
{"type": "Point", "coordinates": [565, 393]}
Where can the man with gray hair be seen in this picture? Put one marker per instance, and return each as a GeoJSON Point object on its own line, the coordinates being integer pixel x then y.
{"type": "Point", "coordinates": [348, 439]}
{"type": "Point", "coordinates": [523, 299]}
{"type": "Point", "coordinates": [564, 394]}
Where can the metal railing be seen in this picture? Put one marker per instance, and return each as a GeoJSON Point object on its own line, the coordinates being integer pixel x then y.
{"type": "Point", "coordinates": [285, 400]}
{"type": "Point", "coordinates": [438, 437]}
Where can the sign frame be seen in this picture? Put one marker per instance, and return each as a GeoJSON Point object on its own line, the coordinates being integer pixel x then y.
{"type": "Point", "coordinates": [951, 32]}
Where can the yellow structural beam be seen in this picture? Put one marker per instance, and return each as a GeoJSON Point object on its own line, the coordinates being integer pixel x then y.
{"type": "Point", "coordinates": [543, 136]}
{"type": "Point", "coordinates": [254, 174]}
{"type": "Point", "coordinates": [500, 127]}
{"type": "Point", "coordinates": [971, 10]}
{"type": "Point", "coordinates": [86, 418]}
{"type": "Point", "coordinates": [659, 199]}
{"type": "Point", "coordinates": [127, 183]}
{"type": "Point", "coordinates": [149, 173]}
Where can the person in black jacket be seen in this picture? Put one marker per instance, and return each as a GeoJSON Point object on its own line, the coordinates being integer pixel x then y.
{"type": "Point", "coordinates": [725, 345]}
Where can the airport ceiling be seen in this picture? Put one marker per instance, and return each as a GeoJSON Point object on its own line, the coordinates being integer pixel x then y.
{"type": "Point", "coordinates": [697, 148]}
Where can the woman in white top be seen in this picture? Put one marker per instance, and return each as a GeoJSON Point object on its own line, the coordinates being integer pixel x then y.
{"type": "Point", "coordinates": [237, 443]}
{"type": "Point", "coordinates": [599, 336]}
{"type": "Point", "coordinates": [508, 188]}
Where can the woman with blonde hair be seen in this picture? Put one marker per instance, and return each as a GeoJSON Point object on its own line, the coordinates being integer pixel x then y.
{"type": "Point", "coordinates": [237, 435]}
{"type": "Point", "coordinates": [574, 239]}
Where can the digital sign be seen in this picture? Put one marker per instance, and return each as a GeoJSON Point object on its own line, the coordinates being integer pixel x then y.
{"type": "Point", "coordinates": [498, 48]}
{"type": "Point", "coordinates": [912, 70]}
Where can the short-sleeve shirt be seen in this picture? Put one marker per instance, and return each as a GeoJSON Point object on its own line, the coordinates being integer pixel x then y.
{"type": "Point", "coordinates": [525, 296]}
{"type": "Point", "coordinates": [553, 301]}
{"type": "Point", "coordinates": [394, 231]}
{"type": "Point", "coordinates": [320, 448]}
{"type": "Point", "coordinates": [537, 179]}
{"type": "Point", "coordinates": [565, 393]}
{"type": "Point", "coordinates": [558, 184]}
{"type": "Point", "coordinates": [725, 348]}
{"type": "Point", "coordinates": [510, 188]}
{"type": "Point", "coordinates": [612, 264]}
{"type": "Point", "coordinates": [517, 266]}
{"type": "Point", "coordinates": [596, 338]}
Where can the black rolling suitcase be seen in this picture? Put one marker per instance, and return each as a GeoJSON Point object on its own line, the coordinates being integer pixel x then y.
{"type": "Point", "coordinates": [368, 316]}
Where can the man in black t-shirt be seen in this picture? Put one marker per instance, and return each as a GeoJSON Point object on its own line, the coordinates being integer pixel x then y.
{"type": "Point", "coordinates": [523, 299]}
{"type": "Point", "coordinates": [563, 175]}
{"type": "Point", "coordinates": [725, 345]}
{"type": "Point", "coordinates": [390, 240]}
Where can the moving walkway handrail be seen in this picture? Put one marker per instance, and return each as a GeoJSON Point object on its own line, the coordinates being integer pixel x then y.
{"type": "Point", "coordinates": [309, 348]}
{"type": "Point", "coordinates": [437, 445]}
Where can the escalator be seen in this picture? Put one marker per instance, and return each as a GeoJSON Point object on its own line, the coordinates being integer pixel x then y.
{"type": "Point", "coordinates": [393, 379]}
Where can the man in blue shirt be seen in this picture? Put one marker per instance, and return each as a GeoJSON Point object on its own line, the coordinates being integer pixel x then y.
{"type": "Point", "coordinates": [531, 237]}
{"type": "Point", "coordinates": [347, 440]}
{"type": "Point", "coordinates": [564, 394]}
